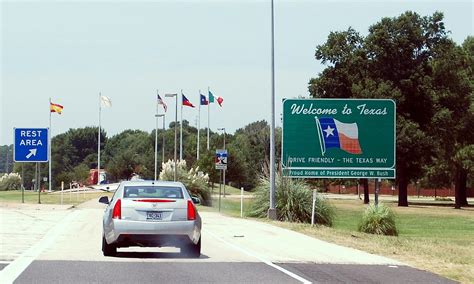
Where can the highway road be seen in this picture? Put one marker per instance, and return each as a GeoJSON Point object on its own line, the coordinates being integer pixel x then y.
{"type": "Point", "coordinates": [52, 244]}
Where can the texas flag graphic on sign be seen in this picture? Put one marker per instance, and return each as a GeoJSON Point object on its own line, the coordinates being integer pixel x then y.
{"type": "Point", "coordinates": [336, 134]}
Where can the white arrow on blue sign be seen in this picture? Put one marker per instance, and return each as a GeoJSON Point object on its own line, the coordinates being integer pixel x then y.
{"type": "Point", "coordinates": [31, 145]}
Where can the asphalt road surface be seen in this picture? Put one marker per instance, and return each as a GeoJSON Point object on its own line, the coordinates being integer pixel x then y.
{"type": "Point", "coordinates": [64, 246]}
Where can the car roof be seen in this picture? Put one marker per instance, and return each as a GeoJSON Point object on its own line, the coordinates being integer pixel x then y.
{"type": "Point", "coordinates": [152, 182]}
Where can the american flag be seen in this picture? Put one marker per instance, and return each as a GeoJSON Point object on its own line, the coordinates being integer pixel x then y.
{"type": "Point", "coordinates": [161, 102]}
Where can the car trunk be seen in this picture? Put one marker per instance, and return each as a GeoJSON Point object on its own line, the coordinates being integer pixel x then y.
{"type": "Point", "coordinates": [154, 209]}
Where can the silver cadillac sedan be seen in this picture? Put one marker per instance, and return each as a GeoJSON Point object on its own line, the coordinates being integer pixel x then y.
{"type": "Point", "coordinates": [151, 214]}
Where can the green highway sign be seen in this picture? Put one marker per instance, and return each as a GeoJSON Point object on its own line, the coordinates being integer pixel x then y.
{"type": "Point", "coordinates": [339, 138]}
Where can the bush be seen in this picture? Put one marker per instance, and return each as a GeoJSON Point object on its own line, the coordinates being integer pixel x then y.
{"type": "Point", "coordinates": [293, 202]}
{"type": "Point", "coordinates": [81, 173]}
{"type": "Point", "coordinates": [167, 171]}
{"type": "Point", "coordinates": [378, 220]}
{"type": "Point", "coordinates": [196, 183]}
{"type": "Point", "coordinates": [11, 181]}
{"type": "Point", "coordinates": [438, 198]}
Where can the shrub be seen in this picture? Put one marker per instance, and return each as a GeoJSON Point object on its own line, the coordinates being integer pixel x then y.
{"type": "Point", "coordinates": [167, 170]}
{"type": "Point", "coordinates": [440, 198]}
{"type": "Point", "coordinates": [196, 183]}
{"type": "Point", "coordinates": [11, 181]}
{"type": "Point", "coordinates": [379, 220]}
{"type": "Point", "coordinates": [293, 202]}
{"type": "Point", "coordinates": [81, 173]}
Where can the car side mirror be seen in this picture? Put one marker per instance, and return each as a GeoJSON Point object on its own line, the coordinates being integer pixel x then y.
{"type": "Point", "coordinates": [104, 199]}
{"type": "Point", "coordinates": [196, 200]}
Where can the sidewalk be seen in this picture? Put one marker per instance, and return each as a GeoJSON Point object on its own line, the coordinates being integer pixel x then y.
{"type": "Point", "coordinates": [34, 206]}
{"type": "Point", "coordinates": [22, 225]}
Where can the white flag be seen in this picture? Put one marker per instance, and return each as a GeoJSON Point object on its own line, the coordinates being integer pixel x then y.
{"type": "Point", "coordinates": [106, 101]}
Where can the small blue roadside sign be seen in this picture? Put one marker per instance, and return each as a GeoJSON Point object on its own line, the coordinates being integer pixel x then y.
{"type": "Point", "coordinates": [221, 159]}
{"type": "Point", "coordinates": [30, 145]}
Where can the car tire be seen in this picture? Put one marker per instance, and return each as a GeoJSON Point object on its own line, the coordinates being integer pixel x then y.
{"type": "Point", "coordinates": [108, 250]}
{"type": "Point", "coordinates": [193, 250]}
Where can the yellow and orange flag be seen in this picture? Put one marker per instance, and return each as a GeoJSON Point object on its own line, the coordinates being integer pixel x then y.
{"type": "Point", "coordinates": [55, 108]}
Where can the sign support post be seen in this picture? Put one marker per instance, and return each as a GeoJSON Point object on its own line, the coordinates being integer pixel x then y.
{"type": "Point", "coordinates": [223, 180]}
{"type": "Point", "coordinates": [39, 182]}
{"type": "Point", "coordinates": [221, 164]}
{"type": "Point", "coordinates": [220, 188]}
{"type": "Point", "coordinates": [241, 202]}
{"type": "Point", "coordinates": [377, 187]}
{"type": "Point", "coordinates": [22, 183]}
{"type": "Point", "coordinates": [35, 179]}
{"type": "Point", "coordinates": [314, 207]}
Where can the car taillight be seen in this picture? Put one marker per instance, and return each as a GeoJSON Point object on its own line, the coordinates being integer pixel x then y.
{"type": "Point", "coordinates": [117, 213]}
{"type": "Point", "coordinates": [191, 211]}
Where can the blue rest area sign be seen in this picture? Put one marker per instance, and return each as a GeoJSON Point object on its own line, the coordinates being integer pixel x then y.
{"type": "Point", "coordinates": [31, 145]}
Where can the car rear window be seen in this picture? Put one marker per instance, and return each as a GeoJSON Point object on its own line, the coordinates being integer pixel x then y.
{"type": "Point", "coordinates": [153, 192]}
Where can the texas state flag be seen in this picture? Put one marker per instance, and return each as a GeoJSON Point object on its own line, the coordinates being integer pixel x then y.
{"type": "Point", "coordinates": [203, 100]}
{"type": "Point", "coordinates": [336, 134]}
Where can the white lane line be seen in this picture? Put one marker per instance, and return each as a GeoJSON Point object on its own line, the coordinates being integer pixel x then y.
{"type": "Point", "coordinates": [252, 254]}
{"type": "Point", "coordinates": [15, 268]}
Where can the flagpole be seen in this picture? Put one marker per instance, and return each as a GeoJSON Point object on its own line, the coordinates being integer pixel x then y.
{"type": "Point", "coordinates": [163, 143]}
{"type": "Point", "coordinates": [98, 145]}
{"type": "Point", "coordinates": [49, 146]}
{"type": "Point", "coordinates": [156, 133]}
{"type": "Point", "coordinates": [181, 130]}
{"type": "Point", "coordinates": [199, 126]}
{"type": "Point", "coordinates": [175, 122]}
{"type": "Point", "coordinates": [208, 117]}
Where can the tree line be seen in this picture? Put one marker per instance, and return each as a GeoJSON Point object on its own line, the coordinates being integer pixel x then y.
{"type": "Point", "coordinates": [130, 152]}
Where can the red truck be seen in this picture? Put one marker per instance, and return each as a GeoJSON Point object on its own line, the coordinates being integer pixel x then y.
{"type": "Point", "coordinates": [93, 176]}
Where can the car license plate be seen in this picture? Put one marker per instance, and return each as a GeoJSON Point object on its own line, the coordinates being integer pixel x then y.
{"type": "Point", "coordinates": [154, 216]}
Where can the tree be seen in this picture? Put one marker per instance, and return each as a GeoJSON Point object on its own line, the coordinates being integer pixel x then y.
{"type": "Point", "coordinates": [6, 158]}
{"type": "Point", "coordinates": [453, 121]}
{"type": "Point", "coordinates": [392, 61]}
{"type": "Point", "coordinates": [129, 152]}
{"type": "Point", "coordinates": [238, 170]}
{"type": "Point", "coordinates": [71, 149]}
{"type": "Point", "coordinates": [365, 184]}
{"type": "Point", "coordinates": [254, 140]}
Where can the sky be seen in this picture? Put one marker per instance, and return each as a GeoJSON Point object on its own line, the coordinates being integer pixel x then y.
{"type": "Point", "coordinates": [70, 51]}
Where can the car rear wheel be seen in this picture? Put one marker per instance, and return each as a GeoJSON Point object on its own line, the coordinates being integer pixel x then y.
{"type": "Point", "coordinates": [192, 250]}
{"type": "Point", "coordinates": [108, 250]}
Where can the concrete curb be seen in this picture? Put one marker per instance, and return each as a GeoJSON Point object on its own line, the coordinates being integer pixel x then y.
{"type": "Point", "coordinates": [31, 206]}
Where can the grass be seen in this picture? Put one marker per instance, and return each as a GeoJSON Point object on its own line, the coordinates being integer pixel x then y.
{"type": "Point", "coordinates": [436, 239]}
{"type": "Point", "coordinates": [229, 206]}
{"type": "Point", "coordinates": [14, 196]}
{"type": "Point", "coordinates": [229, 190]}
